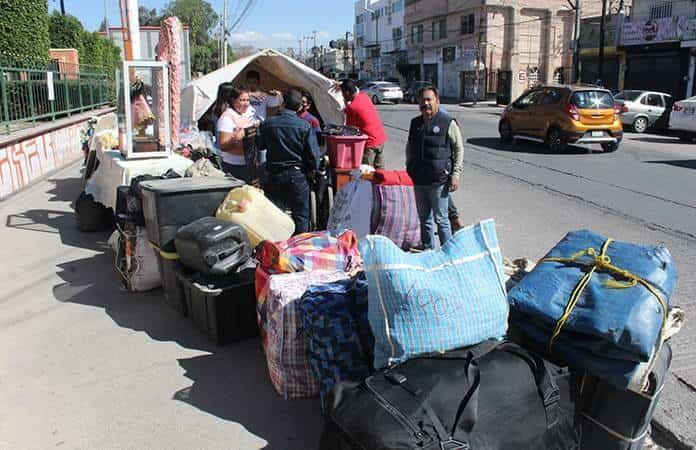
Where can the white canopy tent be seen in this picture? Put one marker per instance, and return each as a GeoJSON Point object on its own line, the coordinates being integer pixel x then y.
{"type": "Point", "coordinates": [277, 72]}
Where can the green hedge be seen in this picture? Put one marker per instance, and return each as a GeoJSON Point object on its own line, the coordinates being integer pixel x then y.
{"type": "Point", "coordinates": [24, 29]}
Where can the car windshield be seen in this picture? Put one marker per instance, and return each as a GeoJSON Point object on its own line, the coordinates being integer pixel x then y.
{"type": "Point", "coordinates": [628, 95]}
{"type": "Point", "coordinates": [593, 99]}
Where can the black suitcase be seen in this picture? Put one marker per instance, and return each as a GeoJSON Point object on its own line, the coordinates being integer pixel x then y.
{"type": "Point", "coordinates": [92, 216]}
{"type": "Point", "coordinates": [494, 396]}
{"type": "Point", "coordinates": [614, 419]}
{"type": "Point", "coordinates": [222, 307]}
{"type": "Point", "coordinates": [212, 246]}
{"type": "Point", "coordinates": [170, 204]}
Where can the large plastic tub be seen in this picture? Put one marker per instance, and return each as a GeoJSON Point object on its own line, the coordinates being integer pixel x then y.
{"type": "Point", "coordinates": [224, 308]}
{"type": "Point", "coordinates": [345, 152]}
{"type": "Point", "coordinates": [262, 220]}
{"type": "Point", "coordinates": [172, 203]}
{"type": "Point", "coordinates": [173, 290]}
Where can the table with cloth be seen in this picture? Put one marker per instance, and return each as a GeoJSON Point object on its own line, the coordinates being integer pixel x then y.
{"type": "Point", "coordinates": [114, 171]}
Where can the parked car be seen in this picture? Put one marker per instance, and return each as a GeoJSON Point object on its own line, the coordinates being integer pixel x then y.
{"type": "Point", "coordinates": [412, 88]}
{"type": "Point", "coordinates": [641, 110]}
{"type": "Point", "coordinates": [683, 119]}
{"type": "Point", "coordinates": [562, 115]}
{"type": "Point", "coordinates": [381, 91]}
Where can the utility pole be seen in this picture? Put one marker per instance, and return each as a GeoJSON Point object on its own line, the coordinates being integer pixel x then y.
{"type": "Point", "coordinates": [223, 54]}
{"type": "Point", "coordinates": [62, 7]}
{"type": "Point", "coordinates": [314, 50]}
{"type": "Point", "coordinates": [602, 23]}
{"type": "Point", "coordinates": [299, 42]}
{"type": "Point", "coordinates": [576, 49]}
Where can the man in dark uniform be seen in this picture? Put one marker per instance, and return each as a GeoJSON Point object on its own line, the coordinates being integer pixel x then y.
{"type": "Point", "coordinates": [293, 153]}
{"type": "Point", "coordinates": [434, 160]}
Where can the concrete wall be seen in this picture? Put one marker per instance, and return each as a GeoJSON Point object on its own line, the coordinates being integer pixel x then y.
{"type": "Point", "coordinates": [35, 153]}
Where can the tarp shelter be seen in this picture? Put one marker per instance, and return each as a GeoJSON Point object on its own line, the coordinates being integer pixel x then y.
{"type": "Point", "coordinates": [277, 72]}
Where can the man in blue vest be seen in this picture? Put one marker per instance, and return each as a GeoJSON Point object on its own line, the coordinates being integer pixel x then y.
{"type": "Point", "coordinates": [434, 160]}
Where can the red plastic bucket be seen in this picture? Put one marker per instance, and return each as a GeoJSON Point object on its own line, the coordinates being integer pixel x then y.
{"type": "Point", "coordinates": [345, 152]}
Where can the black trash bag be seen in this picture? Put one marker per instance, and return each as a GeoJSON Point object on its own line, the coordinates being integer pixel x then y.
{"type": "Point", "coordinates": [92, 216]}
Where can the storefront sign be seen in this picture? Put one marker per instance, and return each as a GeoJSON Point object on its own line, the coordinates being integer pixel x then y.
{"type": "Point", "coordinates": [668, 29]}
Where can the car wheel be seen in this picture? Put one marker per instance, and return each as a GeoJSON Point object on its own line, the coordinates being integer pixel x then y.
{"type": "Point", "coordinates": [609, 147]}
{"type": "Point", "coordinates": [640, 125]}
{"type": "Point", "coordinates": [375, 100]}
{"type": "Point", "coordinates": [505, 131]}
{"type": "Point", "coordinates": [555, 141]}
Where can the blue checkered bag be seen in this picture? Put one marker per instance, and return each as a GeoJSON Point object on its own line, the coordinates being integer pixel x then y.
{"type": "Point", "coordinates": [435, 300]}
{"type": "Point", "coordinates": [339, 340]}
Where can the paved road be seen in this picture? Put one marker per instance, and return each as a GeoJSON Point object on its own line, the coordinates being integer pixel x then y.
{"type": "Point", "coordinates": [85, 365]}
{"type": "Point", "coordinates": [644, 192]}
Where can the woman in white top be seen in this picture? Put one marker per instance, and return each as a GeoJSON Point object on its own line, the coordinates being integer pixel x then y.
{"type": "Point", "coordinates": [234, 115]}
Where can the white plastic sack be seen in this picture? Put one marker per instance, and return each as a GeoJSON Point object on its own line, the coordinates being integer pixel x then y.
{"type": "Point", "coordinates": [143, 274]}
{"type": "Point", "coordinates": [352, 209]}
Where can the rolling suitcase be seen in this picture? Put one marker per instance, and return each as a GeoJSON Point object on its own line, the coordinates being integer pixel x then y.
{"type": "Point", "coordinates": [212, 246]}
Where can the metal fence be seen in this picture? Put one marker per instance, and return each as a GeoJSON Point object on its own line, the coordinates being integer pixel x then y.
{"type": "Point", "coordinates": [43, 93]}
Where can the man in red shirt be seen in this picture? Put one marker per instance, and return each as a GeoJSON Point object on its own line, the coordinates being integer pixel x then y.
{"type": "Point", "coordinates": [361, 113]}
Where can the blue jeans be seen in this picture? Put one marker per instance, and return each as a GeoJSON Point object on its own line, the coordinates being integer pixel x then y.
{"type": "Point", "coordinates": [289, 189]}
{"type": "Point", "coordinates": [433, 201]}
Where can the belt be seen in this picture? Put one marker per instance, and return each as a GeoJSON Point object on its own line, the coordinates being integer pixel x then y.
{"type": "Point", "coordinates": [278, 170]}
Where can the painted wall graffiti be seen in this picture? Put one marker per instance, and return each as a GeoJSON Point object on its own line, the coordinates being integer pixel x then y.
{"type": "Point", "coordinates": [25, 161]}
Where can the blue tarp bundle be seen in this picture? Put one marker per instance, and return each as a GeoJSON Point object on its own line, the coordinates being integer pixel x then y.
{"type": "Point", "coordinates": [616, 321]}
{"type": "Point", "coordinates": [339, 339]}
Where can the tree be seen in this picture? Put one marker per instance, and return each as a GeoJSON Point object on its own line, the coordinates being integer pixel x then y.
{"type": "Point", "coordinates": [148, 17]}
{"type": "Point", "coordinates": [198, 14]}
{"type": "Point", "coordinates": [24, 31]}
{"type": "Point", "coordinates": [65, 31]}
{"type": "Point", "coordinates": [102, 25]}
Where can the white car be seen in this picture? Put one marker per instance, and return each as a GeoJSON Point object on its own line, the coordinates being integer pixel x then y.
{"type": "Point", "coordinates": [683, 118]}
{"type": "Point", "coordinates": [381, 91]}
{"type": "Point", "coordinates": [642, 109]}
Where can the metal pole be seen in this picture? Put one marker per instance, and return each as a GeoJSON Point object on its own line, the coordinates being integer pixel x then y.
{"type": "Point", "coordinates": [576, 50]}
{"type": "Point", "coordinates": [224, 34]}
{"type": "Point", "coordinates": [62, 7]}
{"type": "Point", "coordinates": [314, 50]}
{"type": "Point", "coordinates": [602, 22]}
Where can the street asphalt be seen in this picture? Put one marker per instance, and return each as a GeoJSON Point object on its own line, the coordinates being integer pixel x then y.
{"type": "Point", "coordinates": [86, 365]}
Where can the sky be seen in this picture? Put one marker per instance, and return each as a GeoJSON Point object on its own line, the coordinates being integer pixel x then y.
{"type": "Point", "coordinates": [271, 23]}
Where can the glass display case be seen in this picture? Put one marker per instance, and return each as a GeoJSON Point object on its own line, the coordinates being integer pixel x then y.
{"type": "Point", "coordinates": [143, 109]}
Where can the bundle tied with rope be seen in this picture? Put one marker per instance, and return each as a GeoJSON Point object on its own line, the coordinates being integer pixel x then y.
{"type": "Point", "coordinates": [600, 261]}
{"type": "Point", "coordinates": [597, 304]}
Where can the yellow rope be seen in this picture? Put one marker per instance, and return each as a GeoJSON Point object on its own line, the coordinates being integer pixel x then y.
{"type": "Point", "coordinates": [163, 254]}
{"type": "Point", "coordinates": [600, 262]}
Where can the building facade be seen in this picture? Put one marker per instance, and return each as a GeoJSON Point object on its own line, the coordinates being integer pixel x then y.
{"type": "Point", "coordinates": [660, 34]}
{"type": "Point", "coordinates": [474, 49]}
{"type": "Point", "coordinates": [379, 36]}
{"type": "Point", "coordinates": [149, 37]}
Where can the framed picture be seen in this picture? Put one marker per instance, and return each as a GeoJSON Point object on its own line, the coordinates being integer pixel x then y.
{"type": "Point", "coordinates": [143, 109]}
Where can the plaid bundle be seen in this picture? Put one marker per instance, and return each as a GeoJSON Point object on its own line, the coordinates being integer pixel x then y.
{"type": "Point", "coordinates": [395, 215]}
{"type": "Point", "coordinates": [285, 343]}
{"type": "Point", "coordinates": [311, 251]}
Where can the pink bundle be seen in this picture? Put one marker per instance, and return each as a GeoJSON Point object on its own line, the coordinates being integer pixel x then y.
{"type": "Point", "coordinates": [169, 49]}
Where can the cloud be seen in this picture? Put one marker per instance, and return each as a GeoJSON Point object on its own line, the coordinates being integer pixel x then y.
{"type": "Point", "coordinates": [248, 37]}
{"type": "Point", "coordinates": [283, 36]}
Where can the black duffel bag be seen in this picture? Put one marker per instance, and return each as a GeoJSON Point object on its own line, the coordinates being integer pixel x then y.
{"type": "Point", "coordinates": [494, 396]}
